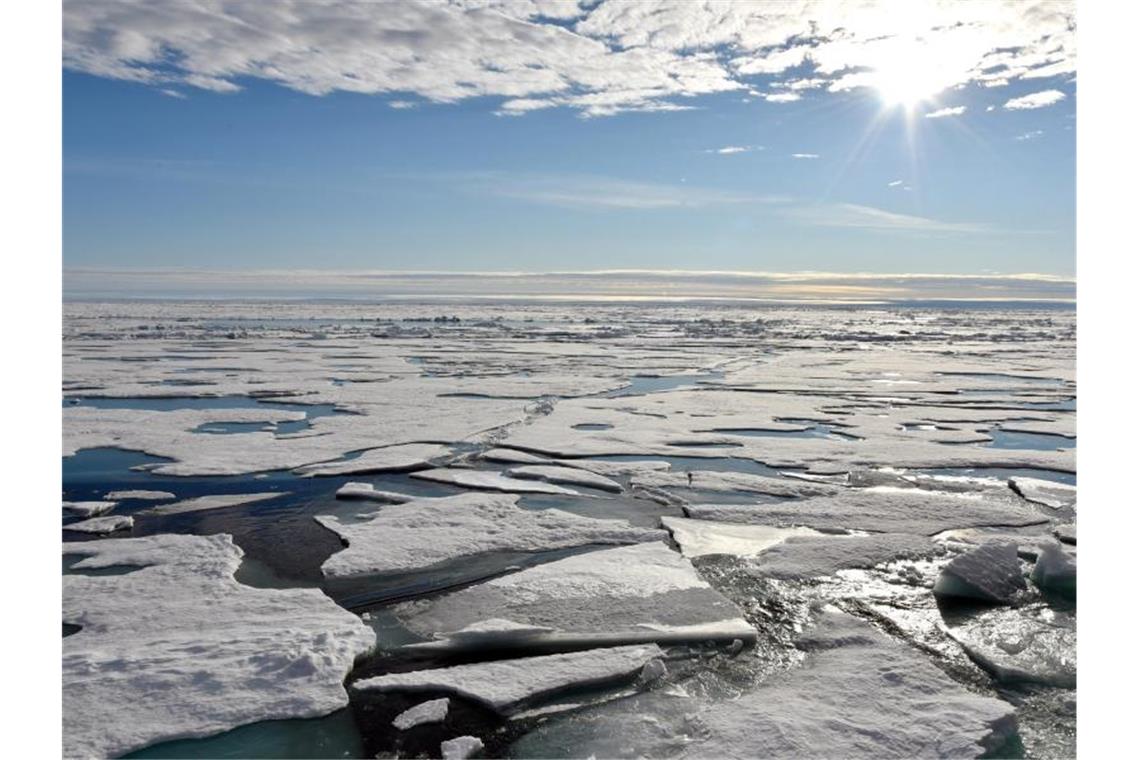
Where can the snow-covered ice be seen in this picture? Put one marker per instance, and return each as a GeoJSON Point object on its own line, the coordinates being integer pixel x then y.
{"type": "Point", "coordinates": [368, 492]}
{"type": "Point", "coordinates": [506, 685]}
{"type": "Point", "coordinates": [1055, 570]}
{"type": "Point", "coordinates": [990, 573]}
{"type": "Point", "coordinates": [698, 538]}
{"type": "Point", "coordinates": [178, 648]}
{"type": "Point", "coordinates": [425, 532]}
{"type": "Point", "coordinates": [813, 556]}
{"type": "Point", "coordinates": [565, 476]}
{"type": "Point", "coordinates": [214, 501]}
{"type": "Point", "coordinates": [1046, 492]}
{"type": "Point", "coordinates": [108, 524]}
{"type": "Point", "coordinates": [388, 459]}
{"type": "Point", "coordinates": [139, 494]}
{"type": "Point", "coordinates": [432, 711]}
{"type": "Point", "coordinates": [460, 748]}
{"type": "Point", "coordinates": [491, 481]}
{"type": "Point", "coordinates": [88, 508]}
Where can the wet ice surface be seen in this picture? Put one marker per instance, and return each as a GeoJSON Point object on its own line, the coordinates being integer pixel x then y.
{"type": "Point", "coordinates": [790, 484]}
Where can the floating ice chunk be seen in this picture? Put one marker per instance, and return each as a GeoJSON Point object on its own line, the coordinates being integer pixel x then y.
{"type": "Point", "coordinates": [858, 694]}
{"type": "Point", "coordinates": [425, 532]}
{"type": "Point", "coordinates": [615, 469]}
{"type": "Point", "coordinates": [698, 538]}
{"type": "Point", "coordinates": [216, 501]}
{"type": "Point", "coordinates": [460, 748]}
{"type": "Point", "coordinates": [368, 492]}
{"type": "Point", "coordinates": [1046, 492]}
{"type": "Point", "coordinates": [1030, 643]}
{"type": "Point", "coordinates": [103, 524]}
{"type": "Point", "coordinates": [388, 459]}
{"type": "Point", "coordinates": [815, 556]}
{"type": "Point", "coordinates": [88, 508]}
{"type": "Point", "coordinates": [505, 685]}
{"type": "Point", "coordinates": [432, 711]}
{"type": "Point", "coordinates": [1066, 534]}
{"type": "Point", "coordinates": [1055, 570]}
{"type": "Point", "coordinates": [180, 649]}
{"type": "Point", "coordinates": [140, 495]}
{"type": "Point", "coordinates": [885, 510]}
{"type": "Point", "coordinates": [632, 594]}
{"type": "Point", "coordinates": [991, 573]}
{"type": "Point", "coordinates": [491, 481]}
{"type": "Point", "coordinates": [706, 480]}
{"type": "Point", "coordinates": [513, 456]}
{"type": "Point", "coordinates": [493, 631]}
{"type": "Point", "coordinates": [566, 476]}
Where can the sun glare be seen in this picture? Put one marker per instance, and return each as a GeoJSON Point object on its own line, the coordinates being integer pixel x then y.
{"type": "Point", "coordinates": [907, 76]}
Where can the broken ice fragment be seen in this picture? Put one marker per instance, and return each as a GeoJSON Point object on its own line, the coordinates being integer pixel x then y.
{"type": "Point", "coordinates": [103, 524]}
{"type": "Point", "coordinates": [1055, 570]}
{"type": "Point", "coordinates": [368, 492]}
{"type": "Point", "coordinates": [432, 711]}
{"type": "Point", "coordinates": [1045, 492]}
{"type": "Point", "coordinates": [88, 508]}
{"type": "Point", "coordinates": [990, 573]}
{"type": "Point", "coordinates": [460, 748]}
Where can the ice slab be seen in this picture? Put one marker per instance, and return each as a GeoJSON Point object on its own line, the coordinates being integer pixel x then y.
{"type": "Point", "coordinates": [879, 509]}
{"type": "Point", "coordinates": [506, 685]}
{"type": "Point", "coordinates": [815, 556]}
{"type": "Point", "coordinates": [566, 476]}
{"type": "Point", "coordinates": [491, 481]}
{"type": "Point", "coordinates": [1055, 570]}
{"type": "Point", "coordinates": [710, 480]}
{"type": "Point", "coordinates": [214, 501]}
{"type": "Point", "coordinates": [1066, 534]}
{"type": "Point", "coordinates": [513, 456]}
{"type": "Point", "coordinates": [388, 459]}
{"type": "Point", "coordinates": [1046, 492]}
{"type": "Point", "coordinates": [460, 748]}
{"type": "Point", "coordinates": [180, 649]}
{"type": "Point", "coordinates": [990, 573]}
{"type": "Point", "coordinates": [88, 508]}
{"type": "Point", "coordinates": [1030, 644]}
{"type": "Point", "coordinates": [108, 524]}
{"type": "Point", "coordinates": [857, 694]}
{"type": "Point", "coordinates": [368, 492]}
{"type": "Point", "coordinates": [425, 532]}
{"type": "Point", "coordinates": [698, 538]}
{"type": "Point", "coordinates": [432, 711]}
{"type": "Point", "coordinates": [140, 495]}
{"type": "Point", "coordinates": [631, 594]}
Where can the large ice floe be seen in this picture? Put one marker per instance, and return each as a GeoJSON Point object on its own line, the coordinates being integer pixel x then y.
{"type": "Point", "coordinates": [633, 594]}
{"type": "Point", "coordinates": [175, 647]}
{"type": "Point", "coordinates": [858, 693]}
{"type": "Point", "coordinates": [491, 481]}
{"type": "Point", "coordinates": [428, 531]}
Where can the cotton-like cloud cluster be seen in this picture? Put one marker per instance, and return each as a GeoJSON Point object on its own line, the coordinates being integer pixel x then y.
{"type": "Point", "coordinates": [1035, 100]}
{"type": "Point", "coordinates": [597, 57]}
{"type": "Point", "coordinates": [942, 113]}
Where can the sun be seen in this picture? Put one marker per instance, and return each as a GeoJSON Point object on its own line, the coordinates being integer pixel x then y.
{"type": "Point", "coordinates": [907, 75]}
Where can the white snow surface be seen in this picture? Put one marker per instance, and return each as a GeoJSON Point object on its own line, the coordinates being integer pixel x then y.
{"type": "Point", "coordinates": [460, 748]}
{"type": "Point", "coordinates": [368, 492]}
{"type": "Point", "coordinates": [700, 537]}
{"type": "Point", "coordinates": [213, 501]}
{"type": "Point", "coordinates": [491, 481]}
{"type": "Point", "coordinates": [1046, 492]}
{"type": "Point", "coordinates": [387, 459]}
{"type": "Point", "coordinates": [139, 494]}
{"type": "Point", "coordinates": [425, 532]}
{"type": "Point", "coordinates": [566, 476]}
{"type": "Point", "coordinates": [88, 508]}
{"type": "Point", "coordinates": [180, 649]}
{"type": "Point", "coordinates": [432, 711]}
{"type": "Point", "coordinates": [505, 685]}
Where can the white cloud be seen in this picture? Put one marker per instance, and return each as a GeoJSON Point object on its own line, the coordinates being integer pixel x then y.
{"type": "Point", "coordinates": [1031, 135]}
{"type": "Point", "coordinates": [805, 155]}
{"type": "Point", "coordinates": [600, 57]}
{"type": "Point", "coordinates": [782, 97]}
{"type": "Point", "coordinates": [854, 216]}
{"type": "Point", "coordinates": [944, 112]}
{"type": "Point", "coordinates": [894, 183]}
{"type": "Point", "coordinates": [1035, 100]}
{"type": "Point", "coordinates": [728, 150]}
{"type": "Point", "coordinates": [402, 105]}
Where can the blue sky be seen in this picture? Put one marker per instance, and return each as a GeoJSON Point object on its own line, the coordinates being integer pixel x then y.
{"type": "Point", "coordinates": [171, 159]}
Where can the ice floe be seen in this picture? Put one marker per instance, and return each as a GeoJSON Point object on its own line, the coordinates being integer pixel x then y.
{"type": "Point", "coordinates": [389, 459]}
{"type": "Point", "coordinates": [1031, 644]}
{"type": "Point", "coordinates": [178, 648]}
{"type": "Point", "coordinates": [505, 686]}
{"type": "Point", "coordinates": [566, 476]}
{"type": "Point", "coordinates": [698, 538]}
{"type": "Point", "coordinates": [491, 481]}
{"type": "Point", "coordinates": [432, 711]}
{"type": "Point", "coordinates": [108, 524]}
{"type": "Point", "coordinates": [856, 694]}
{"type": "Point", "coordinates": [814, 556]}
{"type": "Point", "coordinates": [1046, 492]}
{"type": "Point", "coordinates": [425, 532]}
{"type": "Point", "coordinates": [140, 495]}
{"type": "Point", "coordinates": [88, 508]}
{"type": "Point", "coordinates": [1055, 570]}
{"type": "Point", "coordinates": [214, 501]}
{"type": "Point", "coordinates": [632, 594]}
{"type": "Point", "coordinates": [990, 573]}
{"type": "Point", "coordinates": [460, 748]}
{"type": "Point", "coordinates": [368, 492]}
{"type": "Point", "coordinates": [706, 480]}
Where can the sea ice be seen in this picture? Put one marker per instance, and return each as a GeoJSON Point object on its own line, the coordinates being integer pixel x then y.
{"type": "Point", "coordinates": [432, 711]}
{"type": "Point", "coordinates": [632, 594]}
{"type": "Point", "coordinates": [491, 481]}
{"type": "Point", "coordinates": [1046, 492]}
{"type": "Point", "coordinates": [1031, 643]}
{"type": "Point", "coordinates": [425, 532]}
{"type": "Point", "coordinates": [706, 480]}
{"type": "Point", "coordinates": [1066, 533]}
{"type": "Point", "coordinates": [388, 459]}
{"type": "Point", "coordinates": [990, 573]}
{"type": "Point", "coordinates": [88, 508]}
{"type": "Point", "coordinates": [215, 501]}
{"type": "Point", "coordinates": [857, 694]}
{"type": "Point", "coordinates": [140, 495]}
{"type": "Point", "coordinates": [368, 492]}
{"type": "Point", "coordinates": [506, 685]}
{"type": "Point", "coordinates": [815, 556]}
{"type": "Point", "coordinates": [103, 524]}
{"type": "Point", "coordinates": [1055, 570]}
{"type": "Point", "coordinates": [460, 748]}
{"type": "Point", "coordinates": [566, 476]}
{"type": "Point", "coordinates": [698, 538]}
{"type": "Point", "coordinates": [179, 649]}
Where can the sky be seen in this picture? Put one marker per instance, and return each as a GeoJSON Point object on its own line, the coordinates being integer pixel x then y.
{"type": "Point", "coordinates": [530, 136]}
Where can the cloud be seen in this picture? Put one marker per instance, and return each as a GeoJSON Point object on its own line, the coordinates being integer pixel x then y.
{"type": "Point", "coordinates": [1035, 100]}
{"type": "Point", "coordinates": [596, 192]}
{"type": "Point", "coordinates": [600, 58]}
{"type": "Point", "coordinates": [782, 97]}
{"type": "Point", "coordinates": [1031, 135]}
{"type": "Point", "coordinates": [731, 149]}
{"type": "Point", "coordinates": [854, 216]}
{"type": "Point", "coordinates": [617, 285]}
{"type": "Point", "coordinates": [944, 112]}
{"type": "Point", "coordinates": [894, 183]}
{"type": "Point", "coordinates": [805, 155]}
